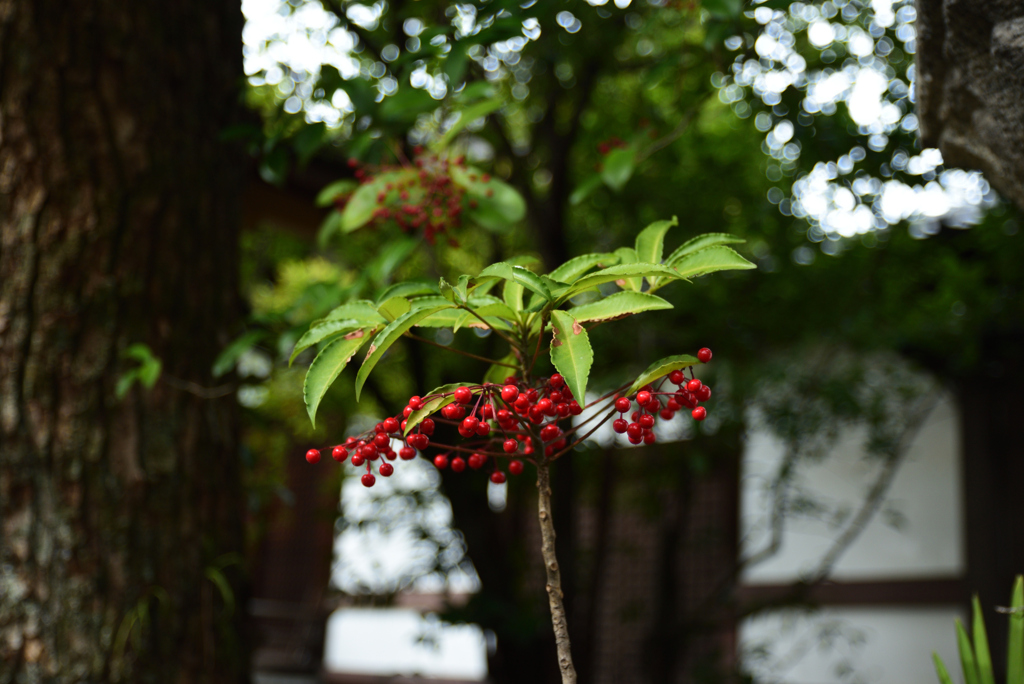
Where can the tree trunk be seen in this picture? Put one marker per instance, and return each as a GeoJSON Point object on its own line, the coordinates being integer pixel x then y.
{"type": "Point", "coordinates": [118, 212]}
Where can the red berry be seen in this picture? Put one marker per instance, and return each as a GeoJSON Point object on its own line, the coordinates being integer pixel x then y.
{"type": "Point", "coordinates": [368, 450]}
{"type": "Point", "coordinates": [667, 415]}
{"type": "Point", "coordinates": [497, 477]}
{"type": "Point", "coordinates": [483, 429]}
{"type": "Point", "coordinates": [407, 453]}
{"type": "Point", "coordinates": [419, 441]}
{"type": "Point", "coordinates": [487, 412]}
{"type": "Point", "coordinates": [703, 394]}
{"type": "Point", "coordinates": [622, 404]}
{"type": "Point", "coordinates": [634, 430]}
{"type": "Point", "coordinates": [476, 461]}
{"type": "Point", "coordinates": [673, 405]}
{"type": "Point", "coordinates": [386, 469]}
{"type": "Point", "coordinates": [458, 464]}
{"type": "Point", "coordinates": [686, 399]}
{"type": "Point", "coordinates": [407, 411]}
{"type": "Point", "coordinates": [544, 405]}
{"type": "Point", "coordinates": [469, 424]}
{"type": "Point", "coordinates": [620, 425]}
{"type": "Point", "coordinates": [510, 446]}
{"type": "Point", "coordinates": [358, 460]}
{"type": "Point", "coordinates": [510, 380]}
{"type": "Point", "coordinates": [531, 395]}
{"type": "Point", "coordinates": [440, 461]}
{"type": "Point", "coordinates": [649, 438]}
{"type": "Point", "coordinates": [563, 410]}
{"type": "Point", "coordinates": [378, 428]}
{"type": "Point", "coordinates": [699, 413]}
{"type": "Point", "coordinates": [635, 439]}
{"type": "Point", "coordinates": [427, 426]}
{"type": "Point", "coordinates": [313, 456]}
{"type": "Point", "coordinates": [381, 440]}
{"type": "Point", "coordinates": [693, 385]}
{"type": "Point", "coordinates": [463, 395]}
{"type": "Point", "coordinates": [555, 397]}
{"type": "Point", "coordinates": [339, 453]}
{"type": "Point", "coordinates": [515, 467]}
{"type": "Point", "coordinates": [549, 432]}
{"type": "Point", "coordinates": [556, 380]}
{"type": "Point", "coordinates": [574, 408]}
{"type": "Point", "coordinates": [509, 393]}
{"type": "Point", "coordinates": [416, 403]}
{"type": "Point", "coordinates": [368, 479]}
{"type": "Point", "coordinates": [676, 377]}
{"type": "Point", "coordinates": [642, 397]}
{"type": "Point", "coordinates": [704, 355]}
{"type": "Point", "coordinates": [646, 421]}
{"type": "Point", "coordinates": [390, 425]}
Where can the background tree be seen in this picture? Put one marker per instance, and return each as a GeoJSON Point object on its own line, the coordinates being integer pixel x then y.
{"type": "Point", "coordinates": [118, 213]}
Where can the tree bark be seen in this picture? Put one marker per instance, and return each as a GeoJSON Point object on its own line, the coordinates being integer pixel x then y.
{"type": "Point", "coordinates": [118, 213]}
{"type": "Point", "coordinates": [554, 576]}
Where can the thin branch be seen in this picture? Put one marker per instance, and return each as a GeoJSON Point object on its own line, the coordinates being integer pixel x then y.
{"type": "Point", "coordinates": [197, 389]}
{"type": "Point", "coordinates": [458, 351]}
{"type": "Point", "coordinates": [556, 599]}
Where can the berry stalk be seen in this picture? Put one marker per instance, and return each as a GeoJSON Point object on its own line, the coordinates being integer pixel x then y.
{"type": "Point", "coordinates": [554, 575]}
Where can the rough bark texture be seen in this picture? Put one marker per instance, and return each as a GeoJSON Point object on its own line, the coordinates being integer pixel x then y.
{"type": "Point", "coordinates": [118, 212]}
{"type": "Point", "coordinates": [554, 576]}
{"type": "Point", "coordinates": [970, 87]}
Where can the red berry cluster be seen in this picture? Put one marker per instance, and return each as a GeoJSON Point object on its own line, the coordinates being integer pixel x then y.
{"type": "Point", "coordinates": [430, 200]}
{"type": "Point", "coordinates": [500, 422]}
{"type": "Point", "coordinates": [606, 146]}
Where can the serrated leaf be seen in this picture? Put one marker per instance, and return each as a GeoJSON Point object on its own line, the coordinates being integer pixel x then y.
{"type": "Point", "coordinates": [572, 269]}
{"type": "Point", "coordinates": [394, 308]}
{"type": "Point", "coordinates": [627, 255]}
{"type": "Point", "coordinates": [709, 260]}
{"type": "Point", "coordinates": [326, 197]}
{"type": "Point", "coordinates": [967, 661]}
{"type": "Point", "coordinates": [619, 304]}
{"type": "Point", "coordinates": [700, 242]}
{"type": "Point", "coordinates": [461, 289]}
{"type": "Point", "coordinates": [432, 403]}
{"type": "Point", "coordinates": [571, 353]}
{"type": "Point", "coordinates": [650, 243]}
{"type": "Point", "coordinates": [447, 291]}
{"type": "Point", "coordinates": [1015, 647]}
{"type": "Point", "coordinates": [322, 331]}
{"type": "Point", "coordinates": [618, 168]}
{"type": "Point", "coordinates": [360, 310]}
{"type": "Point", "coordinates": [359, 210]}
{"type": "Point", "coordinates": [661, 368]}
{"type": "Point", "coordinates": [981, 651]}
{"type": "Point", "coordinates": [226, 360]}
{"type": "Point", "coordinates": [617, 273]}
{"type": "Point", "coordinates": [326, 367]}
{"type": "Point", "coordinates": [528, 279]}
{"type": "Point", "coordinates": [407, 289]}
{"type": "Point", "coordinates": [387, 337]}
{"type": "Point", "coordinates": [940, 669]}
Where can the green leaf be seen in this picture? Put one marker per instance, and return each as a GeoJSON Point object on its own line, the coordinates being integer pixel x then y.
{"type": "Point", "coordinates": [387, 337]}
{"type": "Point", "coordinates": [331, 225]}
{"type": "Point", "coordinates": [709, 260]}
{"type": "Point", "coordinates": [467, 116]}
{"type": "Point", "coordinates": [513, 295]}
{"type": "Point", "coordinates": [660, 369]}
{"type": "Point", "coordinates": [497, 374]}
{"type": "Point", "coordinates": [627, 255]}
{"type": "Point", "coordinates": [967, 661]}
{"type": "Point", "coordinates": [616, 273]}
{"type": "Point", "coordinates": [326, 197]}
{"type": "Point", "coordinates": [461, 289]}
{"type": "Point", "coordinates": [528, 279]}
{"type": "Point", "coordinates": [571, 353]}
{"type": "Point", "coordinates": [148, 371]}
{"type": "Point", "coordinates": [433, 402]}
{"type": "Point", "coordinates": [326, 367]}
{"type": "Point", "coordinates": [619, 304]}
{"type": "Point", "coordinates": [361, 310]}
{"type": "Point", "coordinates": [498, 204]}
{"type": "Point", "coordinates": [1015, 647]}
{"type": "Point", "coordinates": [702, 242]}
{"type": "Point", "coordinates": [323, 331]}
{"type": "Point", "coordinates": [651, 240]}
{"type": "Point", "coordinates": [583, 190]}
{"type": "Point", "coordinates": [447, 291]}
{"type": "Point", "coordinates": [392, 255]}
{"type": "Point", "coordinates": [226, 360]}
{"type": "Point", "coordinates": [940, 669]}
{"type": "Point", "coordinates": [405, 105]}
{"type": "Point", "coordinates": [618, 168]}
{"type": "Point", "coordinates": [984, 657]}
{"type": "Point", "coordinates": [572, 269]}
{"type": "Point", "coordinates": [407, 289]}
{"type": "Point", "coordinates": [394, 308]}
{"type": "Point", "coordinates": [359, 210]}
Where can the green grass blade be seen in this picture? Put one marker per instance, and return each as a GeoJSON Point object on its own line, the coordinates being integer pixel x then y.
{"type": "Point", "coordinates": [1015, 650]}
{"type": "Point", "coordinates": [981, 652]}
{"type": "Point", "coordinates": [967, 661]}
{"type": "Point", "coordinates": [940, 669]}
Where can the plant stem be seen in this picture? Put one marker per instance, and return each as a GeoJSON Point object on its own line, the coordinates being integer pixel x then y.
{"type": "Point", "coordinates": [554, 584]}
{"type": "Point", "coordinates": [458, 351]}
